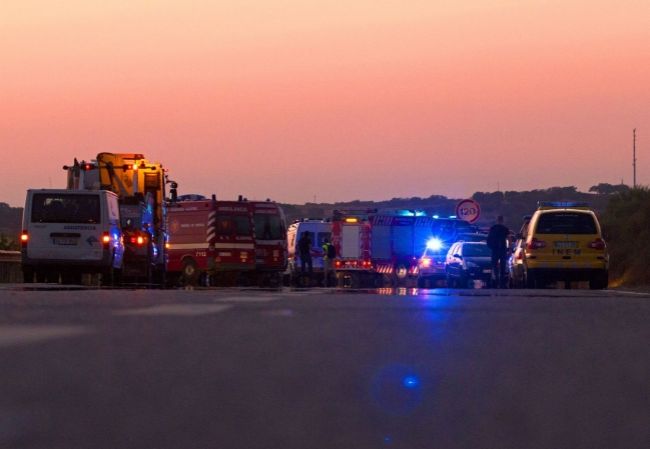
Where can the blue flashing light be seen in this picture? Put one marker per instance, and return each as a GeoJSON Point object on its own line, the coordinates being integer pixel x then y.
{"type": "Point", "coordinates": [434, 244]}
{"type": "Point", "coordinates": [453, 216]}
{"type": "Point", "coordinates": [436, 216]}
{"type": "Point", "coordinates": [562, 204]}
{"type": "Point", "coordinates": [411, 382]}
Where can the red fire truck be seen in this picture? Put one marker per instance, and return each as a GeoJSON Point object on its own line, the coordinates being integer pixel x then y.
{"type": "Point", "coordinates": [210, 242]}
{"type": "Point", "coordinates": [270, 242]}
{"type": "Point", "coordinates": [378, 247]}
{"type": "Point", "coordinates": [351, 232]}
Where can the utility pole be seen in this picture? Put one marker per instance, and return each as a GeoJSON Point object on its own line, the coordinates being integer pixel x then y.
{"type": "Point", "coordinates": [634, 157]}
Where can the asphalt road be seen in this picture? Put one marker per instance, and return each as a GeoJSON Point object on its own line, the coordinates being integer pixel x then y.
{"type": "Point", "coordinates": [324, 369]}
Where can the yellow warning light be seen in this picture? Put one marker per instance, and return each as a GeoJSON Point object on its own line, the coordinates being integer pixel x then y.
{"type": "Point", "coordinates": [352, 220]}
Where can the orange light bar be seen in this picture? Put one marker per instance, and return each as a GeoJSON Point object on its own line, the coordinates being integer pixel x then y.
{"type": "Point", "coordinates": [352, 220]}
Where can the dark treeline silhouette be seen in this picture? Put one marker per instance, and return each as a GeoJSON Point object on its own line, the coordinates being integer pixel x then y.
{"type": "Point", "coordinates": [512, 205]}
{"type": "Point", "coordinates": [10, 226]}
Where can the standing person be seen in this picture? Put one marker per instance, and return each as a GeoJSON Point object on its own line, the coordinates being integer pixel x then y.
{"type": "Point", "coordinates": [497, 242]}
{"type": "Point", "coordinates": [304, 249]}
{"type": "Point", "coordinates": [329, 254]}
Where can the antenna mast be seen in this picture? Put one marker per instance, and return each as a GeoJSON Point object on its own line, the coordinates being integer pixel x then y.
{"type": "Point", "coordinates": [634, 157]}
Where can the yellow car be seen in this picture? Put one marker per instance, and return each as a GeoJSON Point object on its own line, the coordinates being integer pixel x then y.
{"type": "Point", "coordinates": [564, 242]}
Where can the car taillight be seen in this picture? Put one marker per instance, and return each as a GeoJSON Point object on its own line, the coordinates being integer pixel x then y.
{"type": "Point", "coordinates": [425, 262]}
{"type": "Point", "coordinates": [24, 238]}
{"type": "Point", "coordinates": [598, 244]}
{"type": "Point", "coordinates": [338, 264]}
{"type": "Point", "coordinates": [536, 244]}
{"type": "Point", "coordinates": [140, 240]}
{"type": "Point", "coordinates": [106, 238]}
{"type": "Point", "coordinates": [366, 264]}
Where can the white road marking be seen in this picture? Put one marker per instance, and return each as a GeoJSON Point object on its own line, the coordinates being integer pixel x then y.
{"type": "Point", "coordinates": [15, 335]}
{"type": "Point", "coordinates": [175, 310]}
{"type": "Point", "coordinates": [258, 298]}
{"type": "Point", "coordinates": [626, 292]}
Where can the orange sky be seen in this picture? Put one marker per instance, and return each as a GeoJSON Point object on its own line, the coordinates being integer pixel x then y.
{"type": "Point", "coordinates": [259, 97]}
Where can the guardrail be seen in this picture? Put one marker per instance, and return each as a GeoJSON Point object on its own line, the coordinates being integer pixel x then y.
{"type": "Point", "coordinates": [10, 266]}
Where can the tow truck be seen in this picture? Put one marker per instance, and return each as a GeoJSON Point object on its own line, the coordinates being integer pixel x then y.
{"type": "Point", "coordinates": [140, 187]}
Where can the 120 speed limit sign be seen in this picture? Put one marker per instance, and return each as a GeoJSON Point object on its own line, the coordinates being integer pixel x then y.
{"type": "Point", "coordinates": [468, 210]}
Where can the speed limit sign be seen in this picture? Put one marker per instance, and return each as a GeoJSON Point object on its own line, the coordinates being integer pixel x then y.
{"type": "Point", "coordinates": [468, 210]}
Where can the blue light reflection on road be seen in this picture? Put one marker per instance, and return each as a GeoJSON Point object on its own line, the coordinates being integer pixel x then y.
{"type": "Point", "coordinates": [397, 390]}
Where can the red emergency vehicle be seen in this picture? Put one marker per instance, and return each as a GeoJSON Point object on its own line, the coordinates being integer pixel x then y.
{"type": "Point", "coordinates": [210, 242]}
{"type": "Point", "coordinates": [351, 232]}
{"type": "Point", "coordinates": [270, 242]}
{"type": "Point", "coordinates": [377, 247]}
{"type": "Point", "coordinates": [399, 238]}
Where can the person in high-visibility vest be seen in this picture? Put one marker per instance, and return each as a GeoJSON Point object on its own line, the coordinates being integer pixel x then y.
{"type": "Point", "coordinates": [329, 254]}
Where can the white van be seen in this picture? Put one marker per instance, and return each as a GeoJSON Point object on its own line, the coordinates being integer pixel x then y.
{"type": "Point", "coordinates": [319, 230]}
{"type": "Point", "coordinates": [67, 233]}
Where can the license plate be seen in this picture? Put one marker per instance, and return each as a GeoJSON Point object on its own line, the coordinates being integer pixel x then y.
{"type": "Point", "coordinates": [68, 241]}
{"type": "Point", "coordinates": [566, 245]}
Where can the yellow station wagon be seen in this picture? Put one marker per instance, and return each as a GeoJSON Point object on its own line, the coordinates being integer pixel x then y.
{"type": "Point", "coordinates": [564, 242]}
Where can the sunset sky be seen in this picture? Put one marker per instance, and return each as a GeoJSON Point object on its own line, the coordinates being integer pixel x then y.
{"type": "Point", "coordinates": [342, 100]}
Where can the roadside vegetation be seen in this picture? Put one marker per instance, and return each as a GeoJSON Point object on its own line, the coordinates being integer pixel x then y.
{"type": "Point", "coordinates": [626, 228]}
{"type": "Point", "coordinates": [8, 244]}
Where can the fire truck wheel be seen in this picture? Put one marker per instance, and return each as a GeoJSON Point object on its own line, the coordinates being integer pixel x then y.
{"type": "Point", "coordinates": [190, 272]}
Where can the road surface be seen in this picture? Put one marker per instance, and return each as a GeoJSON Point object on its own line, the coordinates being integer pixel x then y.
{"type": "Point", "coordinates": [319, 368]}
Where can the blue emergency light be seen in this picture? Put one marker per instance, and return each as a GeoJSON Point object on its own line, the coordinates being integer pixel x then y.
{"type": "Point", "coordinates": [562, 204]}
{"type": "Point", "coordinates": [434, 244]}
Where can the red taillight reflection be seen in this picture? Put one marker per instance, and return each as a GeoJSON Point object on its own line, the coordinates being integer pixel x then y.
{"type": "Point", "coordinates": [536, 244]}
{"type": "Point", "coordinates": [598, 244]}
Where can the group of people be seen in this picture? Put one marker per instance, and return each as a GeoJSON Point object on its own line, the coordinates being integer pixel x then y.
{"type": "Point", "coordinates": [306, 263]}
